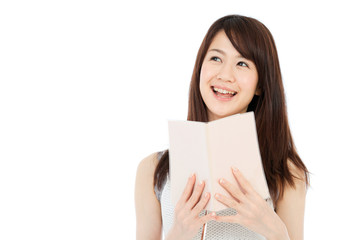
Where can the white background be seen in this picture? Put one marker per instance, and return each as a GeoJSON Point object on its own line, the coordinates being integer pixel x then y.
{"type": "Point", "coordinates": [87, 87]}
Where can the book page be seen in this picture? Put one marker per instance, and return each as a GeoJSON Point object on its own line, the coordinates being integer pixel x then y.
{"type": "Point", "coordinates": [233, 142]}
{"type": "Point", "coordinates": [187, 155]}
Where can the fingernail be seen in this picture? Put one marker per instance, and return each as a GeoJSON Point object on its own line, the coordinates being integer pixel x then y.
{"type": "Point", "coordinates": [192, 175]}
{"type": "Point", "coordinates": [235, 169]}
{"type": "Point", "coordinates": [222, 181]}
{"type": "Point", "coordinates": [206, 195]}
{"type": "Point", "coordinates": [217, 196]}
{"type": "Point", "coordinates": [213, 214]}
{"type": "Point", "coordinates": [201, 183]}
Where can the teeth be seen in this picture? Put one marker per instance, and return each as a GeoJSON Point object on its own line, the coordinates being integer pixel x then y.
{"type": "Point", "coordinates": [223, 91]}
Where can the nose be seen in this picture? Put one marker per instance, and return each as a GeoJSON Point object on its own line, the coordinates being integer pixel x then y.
{"type": "Point", "coordinates": [226, 73]}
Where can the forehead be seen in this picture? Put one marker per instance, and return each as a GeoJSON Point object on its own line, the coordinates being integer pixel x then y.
{"type": "Point", "coordinates": [222, 42]}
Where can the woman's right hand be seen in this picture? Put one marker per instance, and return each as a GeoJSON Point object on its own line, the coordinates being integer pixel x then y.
{"type": "Point", "coordinates": [187, 221]}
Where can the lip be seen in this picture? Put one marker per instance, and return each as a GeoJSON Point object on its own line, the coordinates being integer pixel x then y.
{"type": "Point", "coordinates": [221, 98]}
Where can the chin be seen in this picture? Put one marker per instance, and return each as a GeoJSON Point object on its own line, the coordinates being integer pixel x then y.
{"type": "Point", "coordinates": [218, 115]}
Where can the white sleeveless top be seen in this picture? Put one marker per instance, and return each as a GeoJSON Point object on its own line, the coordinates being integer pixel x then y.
{"type": "Point", "coordinates": [214, 230]}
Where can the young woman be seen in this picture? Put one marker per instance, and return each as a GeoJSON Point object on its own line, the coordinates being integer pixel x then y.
{"type": "Point", "coordinates": [236, 70]}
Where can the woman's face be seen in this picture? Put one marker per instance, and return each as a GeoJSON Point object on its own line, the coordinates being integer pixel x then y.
{"type": "Point", "coordinates": [224, 68]}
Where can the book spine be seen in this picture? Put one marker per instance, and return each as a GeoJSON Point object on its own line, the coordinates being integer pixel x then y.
{"type": "Point", "coordinates": [209, 166]}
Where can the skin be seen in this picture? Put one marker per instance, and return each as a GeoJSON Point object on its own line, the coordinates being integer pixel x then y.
{"type": "Point", "coordinates": [226, 68]}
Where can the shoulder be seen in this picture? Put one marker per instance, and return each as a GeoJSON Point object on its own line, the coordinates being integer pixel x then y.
{"type": "Point", "coordinates": [148, 164]}
{"type": "Point", "coordinates": [298, 173]}
{"type": "Point", "coordinates": [299, 187]}
{"type": "Point", "coordinates": [145, 171]}
{"type": "Point", "coordinates": [291, 206]}
{"type": "Point", "coordinates": [148, 212]}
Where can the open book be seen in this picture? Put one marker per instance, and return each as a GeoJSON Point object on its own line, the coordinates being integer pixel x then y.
{"type": "Point", "coordinates": [210, 150]}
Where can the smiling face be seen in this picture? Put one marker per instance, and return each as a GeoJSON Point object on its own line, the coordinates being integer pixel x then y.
{"type": "Point", "coordinates": [224, 68]}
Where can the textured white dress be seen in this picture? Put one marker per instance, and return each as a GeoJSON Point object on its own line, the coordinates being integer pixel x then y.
{"type": "Point", "coordinates": [214, 230]}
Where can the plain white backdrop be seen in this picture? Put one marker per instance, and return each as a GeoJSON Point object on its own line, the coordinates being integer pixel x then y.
{"type": "Point", "coordinates": [87, 87]}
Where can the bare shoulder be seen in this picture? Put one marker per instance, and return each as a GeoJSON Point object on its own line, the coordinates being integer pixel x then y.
{"type": "Point", "coordinates": [148, 164]}
{"type": "Point", "coordinates": [145, 176]}
{"type": "Point", "coordinates": [148, 211]}
{"type": "Point", "coordinates": [297, 172]}
{"type": "Point", "coordinates": [291, 207]}
{"type": "Point", "coordinates": [299, 188]}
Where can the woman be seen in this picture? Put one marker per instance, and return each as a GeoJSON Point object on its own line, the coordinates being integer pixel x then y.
{"type": "Point", "coordinates": [236, 70]}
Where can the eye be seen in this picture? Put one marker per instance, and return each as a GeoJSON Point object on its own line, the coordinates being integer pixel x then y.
{"type": "Point", "coordinates": [243, 64]}
{"type": "Point", "coordinates": [217, 59]}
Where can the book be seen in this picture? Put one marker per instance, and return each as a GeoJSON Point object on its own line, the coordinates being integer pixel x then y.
{"type": "Point", "coordinates": [210, 150]}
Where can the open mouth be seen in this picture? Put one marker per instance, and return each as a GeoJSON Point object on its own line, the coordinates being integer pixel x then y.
{"type": "Point", "coordinates": [223, 93]}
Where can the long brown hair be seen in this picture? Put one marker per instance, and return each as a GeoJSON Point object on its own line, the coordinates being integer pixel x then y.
{"type": "Point", "coordinates": [253, 41]}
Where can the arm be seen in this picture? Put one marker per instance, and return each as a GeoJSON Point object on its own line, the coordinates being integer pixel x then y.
{"type": "Point", "coordinates": [291, 207]}
{"type": "Point", "coordinates": [148, 211]}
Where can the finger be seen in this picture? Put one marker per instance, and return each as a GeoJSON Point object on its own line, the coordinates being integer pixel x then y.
{"type": "Point", "coordinates": [196, 195]}
{"type": "Point", "coordinates": [208, 217]}
{"type": "Point", "coordinates": [233, 190]}
{"type": "Point", "coordinates": [230, 202]}
{"type": "Point", "coordinates": [229, 219]}
{"type": "Point", "coordinates": [242, 181]}
{"type": "Point", "coordinates": [201, 204]}
{"type": "Point", "coordinates": [188, 189]}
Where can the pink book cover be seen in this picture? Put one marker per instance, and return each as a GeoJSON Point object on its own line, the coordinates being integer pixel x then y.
{"type": "Point", "coordinates": [210, 150]}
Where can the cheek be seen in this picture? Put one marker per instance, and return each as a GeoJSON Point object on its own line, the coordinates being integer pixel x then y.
{"type": "Point", "coordinates": [206, 73]}
{"type": "Point", "coordinates": [205, 77]}
{"type": "Point", "coordinates": [248, 82]}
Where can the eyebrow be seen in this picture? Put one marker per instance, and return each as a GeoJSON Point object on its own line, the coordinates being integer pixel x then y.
{"type": "Point", "coordinates": [223, 53]}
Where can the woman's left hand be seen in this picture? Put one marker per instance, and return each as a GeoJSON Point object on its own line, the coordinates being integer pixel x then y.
{"type": "Point", "coordinates": [252, 210]}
